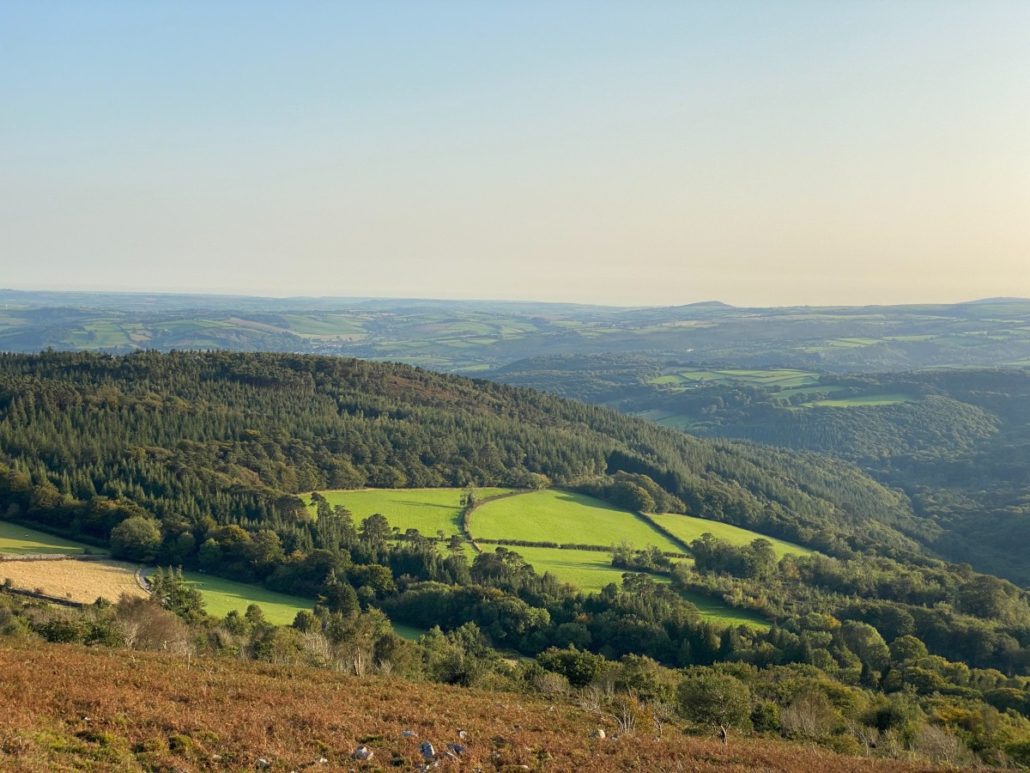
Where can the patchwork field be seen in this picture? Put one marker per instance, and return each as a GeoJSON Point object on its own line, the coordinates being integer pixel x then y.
{"type": "Point", "coordinates": [427, 509]}
{"type": "Point", "coordinates": [689, 528]}
{"type": "Point", "coordinates": [80, 581]}
{"type": "Point", "coordinates": [540, 516]}
{"type": "Point", "coordinates": [565, 518]}
{"type": "Point", "coordinates": [18, 540]}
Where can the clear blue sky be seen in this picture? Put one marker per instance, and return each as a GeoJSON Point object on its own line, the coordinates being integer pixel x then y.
{"type": "Point", "coordinates": [635, 152]}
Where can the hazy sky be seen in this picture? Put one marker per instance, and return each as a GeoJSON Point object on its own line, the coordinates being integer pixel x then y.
{"type": "Point", "coordinates": [635, 152]}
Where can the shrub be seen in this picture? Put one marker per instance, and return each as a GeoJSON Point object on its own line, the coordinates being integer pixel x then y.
{"type": "Point", "coordinates": [136, 539]}
{"type": "Point", "coordinates": [710, 698]}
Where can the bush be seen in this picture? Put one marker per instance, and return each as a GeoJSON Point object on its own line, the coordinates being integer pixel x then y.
{"type": "Point", "coordinates": [578, 666]}
{"type": "Point", "coordinates": [811, 715]}
{"type": "Point", "coordinates": [710, 698]}
{"type": "Point", "coordinates": [136, 539]}
{"type": "Point", "coordinates": [765, 717]}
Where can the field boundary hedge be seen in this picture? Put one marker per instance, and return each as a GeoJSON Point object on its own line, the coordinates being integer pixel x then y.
{"type": "Point", "coordinates": [662, 530]}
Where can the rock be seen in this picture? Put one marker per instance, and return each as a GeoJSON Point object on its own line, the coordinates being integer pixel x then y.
{"type": "Point", "coordinates": [599, 733]}
{"type": "Point", "coordinates": [462, 735]}
{"type": "Point", "coordinates": [409, 734]}
{"type": "Point", "coordinates": [322, 761]}
{"type": "Point", "coordinates": [362, 753]}
{"type": "Point", "coordinates": [456, 749]}
{"type": "Point", "coordinates": [262, 763]}
{"type": "Point", "coordinates": [428, 752]}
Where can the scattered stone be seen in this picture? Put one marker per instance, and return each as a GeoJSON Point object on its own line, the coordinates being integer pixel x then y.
{"type": "Point", "coordinates": [462, 735]}
{"type": "Point", "coordinates": [362, 753]}
{"type": "Point", "coordinates": [598, 733]}
{"type": "Point", "coordinates": [322, 761]}
{"type": "Point", "coordinates": [409, 734]}
{"type": "Point", "coordinates": [456, 749]}
{"type": "Point", "coordinates": [262, 763]}
{"type": "Point", "coordinates": [428, 752]}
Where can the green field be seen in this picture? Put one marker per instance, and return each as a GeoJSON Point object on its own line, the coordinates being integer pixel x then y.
{"type": "Point", "coordinates": [18, 540]}
{"type": "Point", "coordinates": [591, 570]}
{"type": "Point", "coordinates": [588, 570]}
{"type": "Point", "coordinates": [409, 632]}
{"type": "Point", "coordinates": [783, 378]}
{"type": "Point", "coordinates": [564, 518]}
{"type": "Point", "coordinates": [688, 528]}
{"type": "Point", "coordinates": [427, 509]}
{"type": "Point", "coordinates": [222, 596]}
{"type": "Point", "coordinates": [717, 612]}
{"type": "Point", "coordinates": [861, 401]}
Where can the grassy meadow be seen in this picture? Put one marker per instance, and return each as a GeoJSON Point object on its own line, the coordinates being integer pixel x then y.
{"type": "Point", "coordinates": [222, 596]}
{"type": "Point", "coordinates": [565, 518]}
{"type": "Point", "coordinates": [859, 401]}
{"type": "Point", "coordinates": [588, 570]}
{"type": "Point", "coordinates": [689, 528]}
{"type": "Point", "coordinates": [18, 540]}
{"type": "Point", "coordinates": [427, 509]}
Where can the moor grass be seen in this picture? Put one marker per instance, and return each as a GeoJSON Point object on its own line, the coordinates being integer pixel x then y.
{"type": "Point", "coordinates": [69, 707]}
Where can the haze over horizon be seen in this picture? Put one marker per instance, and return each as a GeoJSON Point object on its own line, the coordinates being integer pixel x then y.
{"type": "Point", "coordinates": [626, 154]}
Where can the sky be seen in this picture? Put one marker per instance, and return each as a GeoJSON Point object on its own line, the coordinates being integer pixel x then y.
{"type": "Point", "coordinates": [758, 153]}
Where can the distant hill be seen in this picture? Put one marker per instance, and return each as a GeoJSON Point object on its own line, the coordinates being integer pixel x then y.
{"type": "Point", "coordinates": [479, 336]}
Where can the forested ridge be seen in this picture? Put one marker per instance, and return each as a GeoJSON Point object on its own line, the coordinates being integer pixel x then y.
{"type": "Point", "coordinates": [234, 437]}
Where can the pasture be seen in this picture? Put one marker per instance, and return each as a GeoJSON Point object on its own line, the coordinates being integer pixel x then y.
{"type": "Point", "coordinates": [861, 401]}
{"type": "Point", "coordinates": [689, 528]}
{"type": "Point", "coordinates": [591, 570]}
{"type": "Point", "coordinates": [222, 596]}
{"type": "Point", "coordinates": [588, 570]}
{"type": "Point", "coordinates": [19, 540]}
{"type": "Point", "coordinates": [778, 378]}
{"type": "Point", "coordinates": [427, 509]}
{"type": "Point", "coordinates": [80, 581]}
{"type": "Point", "coordinates": [565, 518]}
{"type": "Point", "coordinates": [715, 611]}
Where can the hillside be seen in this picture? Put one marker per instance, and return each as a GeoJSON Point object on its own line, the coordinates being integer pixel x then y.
{"type": "Point", "coordinates": [956, 442]}
{"type": "Point", "coordinates": [208, 461]}
{"type": "Point", "coordinates": [68, 707]}
{"type": "Point", "coordinates": [235, 437]}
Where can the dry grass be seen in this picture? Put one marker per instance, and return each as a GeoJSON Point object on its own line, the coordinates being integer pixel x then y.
{"type": "Point", "coordinates": [82, 581]}
{"type": "Point", "coordinates": [68, 707]}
